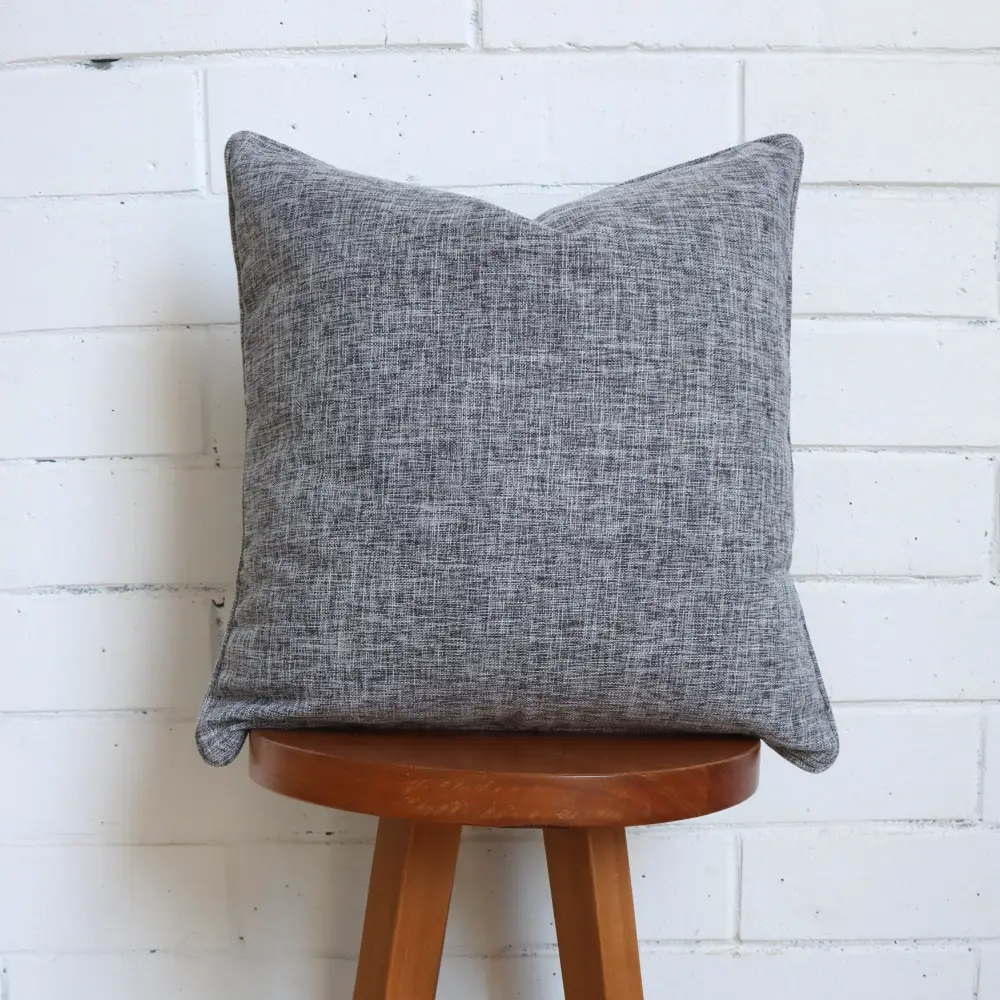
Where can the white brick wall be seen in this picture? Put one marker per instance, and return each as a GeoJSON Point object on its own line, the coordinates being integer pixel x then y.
{"type": "Point", "coordinates": [127, 868]}
{"type": "Point", "coordinates": [778, 23]}
{"type": "Point", "coordinates": [866, 119]}
{"type": "Point", "coordinates": [873, 251]}
{"type": "Point", "coordinates": [948, 375]}
{"type": "Point", "coordinates": [510, 118]}
{"type": "Point", "coordinates": [117, 523]}
{"type": "Point", "coordinates": [845, 885]}
{"type": "Point", "coordinates": [877, 514]}
{"type": "Point", "coordinates": [157, 151]}
{"type": "Point", "coordinates": [117, 392]}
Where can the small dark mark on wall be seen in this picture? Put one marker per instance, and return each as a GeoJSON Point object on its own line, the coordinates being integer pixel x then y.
{"type": "Point", "coordinates": [102, 63]}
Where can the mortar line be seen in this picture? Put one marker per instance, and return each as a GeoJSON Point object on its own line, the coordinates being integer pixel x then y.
{"type": "Point", "coordinates": [110, 589]}
{"type": "Point", "coordinates": [715, 946]}
{"type": "Point", "coordinates": [332, 839]}
{"type": "Point", "coordinates": [954, 582]}
{"type": "Point", "coordinates": [942, 323]}
{"type": "Point", "coordinates": [889, 187]}
{"type": "Point", "coordinates": [107, 197]}
{"type": "Point", "coordinates": [204, 459]}
{"type": "Point", "coordinates": [175, 714]}
{"type": "Point", "coordinates": [887, 317]}
{"type": "Point", "coordinates": [911, 704]}
{"type": "Point", "coordinates": [477, 25]}
{"type": "Point", "coordinates": [738, 922]}
{"type": "Point", "coordinates": [707, 946]}
{"type": "Point", "coordinates": [209, 426]}
{"type": "Point", "coordinates": [86, 331]}
{"type": "Point", "coordinates": [179, 461]}
{"type": "Point", "coordinates": [741, 101]}
{"type": "Point", "coordinates": [996, 251]}
{"type": "Point", "coordinates": [981, 764]}
{"type": "Point", "coordinates": [216, 587]}
{"type": "Point", "coordinates": [889, 578]}
{"type": "Point", "coordinates": [987, 451]}
{"type": "Point", "coordinates": [203, 132]}
{"type": "Point", "coordinates": [985, 55]}
{"type": "Point", "coordinates": [993, 549]}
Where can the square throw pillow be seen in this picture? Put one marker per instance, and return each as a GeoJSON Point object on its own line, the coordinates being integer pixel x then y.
{"type": "Point", "coordinates": [512, 473]}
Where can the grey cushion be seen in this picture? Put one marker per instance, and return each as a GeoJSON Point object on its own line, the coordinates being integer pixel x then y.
{"type": "Point", "coordinates": [515, 474]}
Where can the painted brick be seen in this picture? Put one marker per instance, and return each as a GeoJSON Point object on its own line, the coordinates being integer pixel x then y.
{"type": "Point", "coordinates": [885, 642]}
{"type": "Point", "coordinates": [991, 766]}
{"type": "Point", "coordinates": [137, 779]}
{"type": "Point", "coordinates": [122, 976]}
{"type": "Point", "coordinates": [115, 262]}
{"type": "Point", "coordinates": [599, 126]}
{"type": "Point", "coordinates": [872, 252]}
{"type": "Point", "coordinates": [989, 973]}
{"type": "Point", "coordinates": [131, 130]}
{"type": "Point", "coordinates": [835, 974]}
{"type": "Point", "coordinates": [85, 652]}
{"type": "Point", "coordinates": [251, 814]}
{"type": "Point", "coordinates": [683, 886]}
{"type": "Point", "coordinates": [863, 974]}
{"type": "Point", "coordinates": [108, 778]}
{"type": "Point", "coordinates": [224, 404]}
{"type": "Point", "coordinates": [753, 974]}
{"type": "Point", "coordinates": [892, 515]}
{"type": "Point", "coordinates": [866, 975]}
{"type": "Point", "coordinates": [112, 898]}
{"type": "Point", "coordinates": [208, 977]}
{"type": "Point", "coordinates": [638, 22]}
{"type": "Point", "coordinates": [100, 393]}
{"type": "Point", "coordinates": [310, 898]}
{"type": "Point", "coordinates": [947, 378]}
{"type": "Point", "coordinates": [512, 119]}
{"type": "Point", "coordinates": [32, 29]}
{"type": "Point", "coordinates": [117, 523]}
{"type": "Point", "coordinates": [937, 777]}
{"type": "Point", "coordinates": [866, 119]}
{"type": "Point", "coordinates": [854, 885]}
{"type": "Point", "coordinates": [966, 24]}
{"type": "Point", "coordinates": [300, 898]}
{"type": "Point", "coordinates": [896, 23]}
{"type": "Point", "coordinates": [440, 22]}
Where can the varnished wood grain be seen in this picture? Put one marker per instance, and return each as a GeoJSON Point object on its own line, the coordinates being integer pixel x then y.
{"type": "Point", "coordinates": [508, 779]}
{"type": "Point", "coordinates": [408, 899]}
{"type": "Point", "coordinates": [595, 919]}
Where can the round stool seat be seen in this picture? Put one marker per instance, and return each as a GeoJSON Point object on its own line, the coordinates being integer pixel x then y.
{"type": "Point", "coordinates": [508, 779]}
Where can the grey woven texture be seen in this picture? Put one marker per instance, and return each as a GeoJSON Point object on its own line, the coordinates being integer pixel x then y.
{"type": "Point", "coordinates": [505, 473]}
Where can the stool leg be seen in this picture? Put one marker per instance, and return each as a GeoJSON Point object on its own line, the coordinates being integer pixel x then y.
{"type": "Point", "coordinates": [595, 919]}
{"type": "Point", "coordinates": [408, 899]}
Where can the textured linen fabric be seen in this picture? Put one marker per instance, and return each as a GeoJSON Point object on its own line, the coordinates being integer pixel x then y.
{"type": "Point", "coordinates": [505, 473]}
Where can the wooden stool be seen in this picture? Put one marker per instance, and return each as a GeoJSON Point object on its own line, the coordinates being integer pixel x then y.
{"type": "Point", "coordinates": [582, 790]}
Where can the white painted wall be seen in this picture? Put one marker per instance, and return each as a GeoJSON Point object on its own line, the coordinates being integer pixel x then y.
{"type": "Point", "coordinates": [129, 869]}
